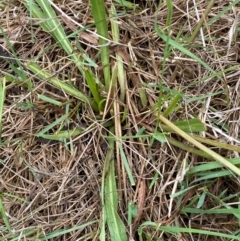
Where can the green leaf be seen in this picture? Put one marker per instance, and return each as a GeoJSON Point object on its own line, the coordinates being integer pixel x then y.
{"type": "Point", "coordinates": [126, 165]}
{"type": "Point", "coordinates": [127, 4]}
{"type": "Point", "coordinates": [159, 137]}
{"type": "Point", "coordinates": [61, 232]}
{"type": "Point", "coordinates": [100, 19]}
{"type": "Point", "coordinates": [115, 224]}
{"type": "Point", "coordinates": [190, 126]}
{"type": "Point", "coordinates": [62, 135]}
{"type": "Point", "coordinates": [4, 216]}
{"type": "Point", "coordinates": [208, 151]}
{"type": "Point", "coordinates": [174, 229]}
{"type": "Point", "coordinates": [50, 126]}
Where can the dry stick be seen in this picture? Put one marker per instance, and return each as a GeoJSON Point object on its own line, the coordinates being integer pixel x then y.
{"type": "Point", "coordinates": [141, 202]}
{"type": "Point", "coordinates": [194, 35]}
{"type": "Point", "coordinates": [32, 191]}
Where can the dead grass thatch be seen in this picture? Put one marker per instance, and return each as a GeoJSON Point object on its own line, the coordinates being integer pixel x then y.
{"type": "Point", "coordinates": [47, 187]}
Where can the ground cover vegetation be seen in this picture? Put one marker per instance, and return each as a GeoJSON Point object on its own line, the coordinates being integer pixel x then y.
{"type": "Point", "coordinates": [119, 120]}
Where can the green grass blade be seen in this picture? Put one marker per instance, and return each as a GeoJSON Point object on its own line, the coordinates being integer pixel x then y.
{"type": "Point", "coordinates": [167, 47]}
{"type": "Point", "coordinates": [54, 27]}
{"type": "Point", "coordinates": [58, 233]}
{"type": "Point", "coordinates": [43, 11]}
{"type": "Point", "coordinates": [224, 11]}
{"type": "Point", "coordinates": [50, 100]}
{"type": "Point", "coordinates": [188, 148]}
{"type": "Point", "coordinates": [212, 175]}
{"type": "Point", "coordinates": [126, 165]}
{"type": "Point", "coordinates": [120, 65]}
{"type": "Point", "coordinates": [15, 236]}
{"type": "Point", "coordinates": [190, 126]}
{"type": "Point", "coordinates": [217, 143]}
{"type": "Point", "coordinates": [100, 19]}
{"type": "Point", "coordinates": [4, 216]}
{"type": "Point", "coordinates": [210, 166]}
{"type": "Point", "coordinates": [185, 51]}
{"type": "Point", "coordinates": [2, 98]}
{"type": "Point", "coordinates": [19, 72]}
{"type": "Point", "coordinates": [201, 146]}
{"type": "Point", "coordinates": [62, 135]}
{"type": "Point", "coordinates": [211, 211]}
{"type": "Point", "coordinates": [110, 195]}
{"type": "Point", "coordinates": [172, 106]}
{"type": "Point", "coordinates": [50, 126]}
{"type": "Point", "coordinates": [127, 4]}
{"type": "Point", "coordinates": [93, 86]}
{"type": "Point", "coordinates": [49, 22]}
{"type": "Point", "coordinates": [173, 230]}
{"type": "Point", "coordinates": [115, 225]}
{"type": "Point", "coordinates": [60, 85]}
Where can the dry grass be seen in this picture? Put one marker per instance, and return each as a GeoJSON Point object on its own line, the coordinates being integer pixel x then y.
{"type": "Point", "coordinates": [50, 186]}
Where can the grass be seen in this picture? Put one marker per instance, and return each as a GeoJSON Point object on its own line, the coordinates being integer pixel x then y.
{"type": "Point", "coordinates": [119, 121]}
